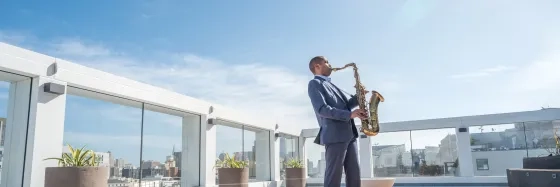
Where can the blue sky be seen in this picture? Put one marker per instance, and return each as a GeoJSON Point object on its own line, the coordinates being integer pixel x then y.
{"type": "Point", "coordinates": [428, 58]}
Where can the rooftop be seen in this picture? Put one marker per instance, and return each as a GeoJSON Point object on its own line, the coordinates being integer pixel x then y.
{"type": "Point", "coordinates": [123, 120]}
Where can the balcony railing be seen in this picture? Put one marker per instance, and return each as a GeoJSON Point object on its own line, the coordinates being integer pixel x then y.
{"type": "Point", "coordinates": [469, 149]}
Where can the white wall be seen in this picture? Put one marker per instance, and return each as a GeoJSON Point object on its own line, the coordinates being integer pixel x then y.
{"type": "Point", "coordinates": [499, 161]}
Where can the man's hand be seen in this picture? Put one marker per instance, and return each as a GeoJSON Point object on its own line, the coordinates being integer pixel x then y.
{"type": "Point", "coordinates": [359, 113]}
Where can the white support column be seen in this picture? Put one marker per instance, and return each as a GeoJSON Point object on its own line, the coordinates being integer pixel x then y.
{"type": "Point", "coordinates": [302, 154]}
{"type": "Point", "coordinates": [36, 125]}
{"type": "Point", "coordinates": [207, 152]}
{"type": "Point", "coordinates": [366, 157]}
{"type": "Point", "coordinates": [275, 158]}
{"type": "Point", "coordinates": [264, 145]}
{"type": "Point", "coordinates": [192, 151]}
{"type": "Point", "coordinates": [464, 153]}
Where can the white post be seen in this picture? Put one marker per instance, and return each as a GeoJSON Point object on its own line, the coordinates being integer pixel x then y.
{"type": "Point", "coordinates": [35, 128]}
{"type": "Point", "coordinates": [192, 151]}
{"type": "Point", "coordinates": [365, 154]}
{"type": "Point", "coordinates": [275, 158]}
{"type": "Point", "coordinates": [464, 153]}
{"type": "Point", "coordinates": [207, 152]}
{"type": "Point", "coordinates": [264, 145]}
{"type": "Point", "coordinates": [302, 154]}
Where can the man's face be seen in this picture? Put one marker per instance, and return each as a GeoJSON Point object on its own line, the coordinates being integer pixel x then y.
{"type": "Point", "coordinates": [324, 68]}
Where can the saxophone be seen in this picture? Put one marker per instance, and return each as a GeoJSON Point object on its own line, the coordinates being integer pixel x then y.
{"type": "Point", "coordinates": [370, 126]}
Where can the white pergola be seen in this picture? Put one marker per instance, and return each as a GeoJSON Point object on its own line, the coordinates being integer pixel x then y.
{"type": "Point", "coordinates": [35, 123]}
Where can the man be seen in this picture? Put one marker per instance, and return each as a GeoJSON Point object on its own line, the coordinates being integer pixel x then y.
{"type": "Point", "coordinates": [337, 131]}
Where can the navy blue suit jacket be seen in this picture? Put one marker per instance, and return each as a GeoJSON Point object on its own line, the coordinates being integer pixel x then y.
{"type": "Point", "coordinates": [333, 110]}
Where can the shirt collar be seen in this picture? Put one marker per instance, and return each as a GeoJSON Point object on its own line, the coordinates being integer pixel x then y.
{"type": "Point", "coordinates": [328, 79]}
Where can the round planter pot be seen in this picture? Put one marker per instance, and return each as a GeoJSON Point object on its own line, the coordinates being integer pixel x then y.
{"type": "Point", "coordinates": [295, 177]}
{"type": "Point", "coordinates": [545, 162]}
{"type": "Point", "coordinates": [379, 182]}
{"type": "Point", "coordinates": [76, 176]}
{"type": "Point", "coordinates": [233, 177]}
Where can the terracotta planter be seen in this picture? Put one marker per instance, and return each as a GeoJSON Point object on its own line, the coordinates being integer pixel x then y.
{"type": "Point", "coordinates": [545, 162]}
{"type": "Point", "coordinates": [378, 182]}
{"type": "Point", "coordinates": [233, 177]}
{"type": "Point", "coordinates": [295, 177]}
{"type": "Point", "coordinates": [76, 176]}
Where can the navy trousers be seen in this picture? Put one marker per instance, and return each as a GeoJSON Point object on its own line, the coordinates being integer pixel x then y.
{"type": "Point", "coordinates": [339, 156]}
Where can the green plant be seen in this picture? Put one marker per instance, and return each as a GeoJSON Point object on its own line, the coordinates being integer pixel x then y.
{"type": "Point", "coordinates": [77, 158]}
{"type": "Point", "coordinates": [294, 163]}
{"type": "Point", "coordinates": [231, 162]}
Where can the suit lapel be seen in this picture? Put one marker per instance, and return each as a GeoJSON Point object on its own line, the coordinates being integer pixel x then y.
{"type": "Point", "coordinates": [340, 92]}
{"type": "Point", "coordinates": [334, 89]}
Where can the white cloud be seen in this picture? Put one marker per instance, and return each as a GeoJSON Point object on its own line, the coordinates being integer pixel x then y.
{"type": "Point", "coordinates": [11, 37]}
{"type": "Point", "coordinates": [543, 73]}
{"type": "Point", "coordinates": [535, 85]}
{"type": "Point", "coordinates": [483, 72]}
{"type": "Point", "coordinates": [72, 47]}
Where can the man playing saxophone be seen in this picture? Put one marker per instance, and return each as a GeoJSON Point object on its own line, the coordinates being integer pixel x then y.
{"type": "Point", "coordinates": [337, 131]}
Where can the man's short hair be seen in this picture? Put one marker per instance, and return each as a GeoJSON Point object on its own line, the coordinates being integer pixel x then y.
{"type": "Point", "coordinates": [314, 61]}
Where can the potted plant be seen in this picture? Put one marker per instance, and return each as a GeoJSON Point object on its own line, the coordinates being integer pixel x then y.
{"type": "Point", "coordinates": [232, 172]}
{"type": "Point", "coordinates": [79, 168]}
{"type": "Point", "coordinates": [552, 161]}
{"type": "Point", "coordinates": [295, 173]}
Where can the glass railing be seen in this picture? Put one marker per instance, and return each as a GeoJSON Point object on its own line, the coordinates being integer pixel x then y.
{"type": "Point", "coordinates": [434, 152]}
{"type": "Point", "coordinates": [496, 148]}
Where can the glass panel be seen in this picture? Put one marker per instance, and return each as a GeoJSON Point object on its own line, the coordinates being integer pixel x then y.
{"type": "Point", "coordinates": [435, 151]}
{"type": "Point", "coordinates": [161, 147]}
{"type": "Point", "coordinates": [111, 130]}
{"type": "Point", "coordinates": [492, 143]}
{"type": "Point", "coordinates": [256, 146]}
{"type": "Point", "coordinates": [248, 144]}
{"type": "Point", "coordinates": [249, 151]}
{"type": "Point", "coordinates": [316, 163]}
{"type": "Point", "coordinates": [391, 154]}
{"type": "Point", "coordinates": [229, 140]}
{"type": "Point", "coordinates": [4, 98]}
{"type": "Point", "coordinates": [540, 138]}
{"type": "Point", "coordinates": [288, 150]}
{"type": "Point", "coordinates": [315, 158]}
